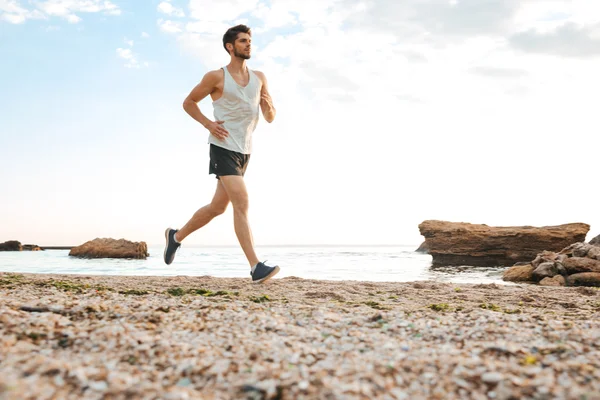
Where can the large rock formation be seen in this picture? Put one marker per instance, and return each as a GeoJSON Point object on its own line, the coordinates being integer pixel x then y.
{"type": "Point", "coordinates": [575, 265]}
{"type": "Point", "coordinates": [458, 243]}
{"type": "Point", "coordinates": [11, 245]}
{"type": "Point", "coordinates": [111, 248]}
{"type": "Point", "coordinates": [15, 245]}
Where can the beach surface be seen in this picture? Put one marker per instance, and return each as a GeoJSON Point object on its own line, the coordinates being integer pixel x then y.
{"type": "Point", "coordinates": [126, 337]}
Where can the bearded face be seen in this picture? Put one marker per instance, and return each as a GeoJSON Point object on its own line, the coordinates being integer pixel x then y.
{"type": "Point", "coordinates": [242, 46]}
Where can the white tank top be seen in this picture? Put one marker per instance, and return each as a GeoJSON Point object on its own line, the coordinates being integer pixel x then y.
{"type": "Point", "coordinates": [239, 108]}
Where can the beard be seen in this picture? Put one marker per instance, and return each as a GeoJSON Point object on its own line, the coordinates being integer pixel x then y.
{"type": "Point", "coordinates": [241, 55]}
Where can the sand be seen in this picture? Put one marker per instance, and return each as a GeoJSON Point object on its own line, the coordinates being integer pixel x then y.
{"type": "Point", "coordinates": [117, 337]}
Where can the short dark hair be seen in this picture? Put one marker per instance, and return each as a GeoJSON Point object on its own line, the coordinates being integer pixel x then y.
{"type": "Point", "coordinates": [232, 34]}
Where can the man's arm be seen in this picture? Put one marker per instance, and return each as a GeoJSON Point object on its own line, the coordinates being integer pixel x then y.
{"type": "Point", "coordinates": [266, 102]}
{"type": "Point", "coordinates": [190, 104]}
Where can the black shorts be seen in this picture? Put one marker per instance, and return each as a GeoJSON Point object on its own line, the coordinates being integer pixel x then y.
{"type": "Point", "coordinates": [225, 162]}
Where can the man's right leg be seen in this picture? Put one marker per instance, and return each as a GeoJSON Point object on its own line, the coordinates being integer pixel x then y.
{"type": "Point", "coordinates": [203, 216]}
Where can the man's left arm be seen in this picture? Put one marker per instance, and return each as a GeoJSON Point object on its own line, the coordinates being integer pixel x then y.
{"type": "Point", "coordinates": [266, 102]}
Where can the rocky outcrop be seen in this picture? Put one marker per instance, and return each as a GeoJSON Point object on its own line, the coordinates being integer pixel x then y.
{"type": "Point", "coordinates": [557, 280]}
{"type": "Point", "coordinates": [519, 273]}
{"type": "Point", "coordinates": [575, 265]}
{"type": "Point", "coordinates": [111, 248]}
{"type": "Point", "coordinates": [31, 247]}
{"type": "Point", "coordinates": [11, 245]}
{"type": "Point", "coordinates": [595, 241]}
{"type": "Point", "coordinates": [458, 243]}
{"type": "Point", "coordinates": [423, 248]}
{"type": "Point", "coordinates": [15, 245]}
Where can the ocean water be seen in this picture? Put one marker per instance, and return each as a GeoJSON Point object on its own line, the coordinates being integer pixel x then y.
{"type": "Point", "coordinates": [360, 263]}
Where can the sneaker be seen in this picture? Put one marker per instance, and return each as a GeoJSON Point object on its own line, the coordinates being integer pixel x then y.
{"type": "Point", "coordinates": [171, 246]}
{"type": "Point", "coordinates": [263, 272]}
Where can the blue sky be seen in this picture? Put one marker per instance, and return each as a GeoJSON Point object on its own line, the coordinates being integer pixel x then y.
{"type": "Point", "coordinates": [389, 113]}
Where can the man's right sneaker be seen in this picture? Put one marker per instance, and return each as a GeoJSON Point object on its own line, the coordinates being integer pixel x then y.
{"type": "Point", "coordinates": [263, 272]}
{"type": "Point", "coordinates": [171, 246]}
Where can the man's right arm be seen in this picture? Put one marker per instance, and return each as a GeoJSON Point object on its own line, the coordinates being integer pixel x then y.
{"type": "Point", "coordinates": [190, 104]}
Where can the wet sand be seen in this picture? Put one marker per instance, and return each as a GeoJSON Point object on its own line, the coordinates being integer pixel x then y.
{"type": "Point", "coordinates": [118, 337]}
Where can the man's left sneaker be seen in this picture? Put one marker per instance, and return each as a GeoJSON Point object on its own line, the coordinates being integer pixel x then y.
{"type": "Point", "coordinates": [263, 272]}
{"type": "Point", "coordinates": [171, 245]}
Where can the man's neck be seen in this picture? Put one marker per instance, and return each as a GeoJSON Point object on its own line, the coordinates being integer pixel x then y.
{"type": "Point", "coordinates": [237, 65]}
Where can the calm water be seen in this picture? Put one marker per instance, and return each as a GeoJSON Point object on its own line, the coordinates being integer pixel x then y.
{"type": "Point", "coordinates": [364, 263]}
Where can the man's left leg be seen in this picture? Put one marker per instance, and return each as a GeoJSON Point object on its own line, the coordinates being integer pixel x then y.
{"type": "Point", "coordinates": [238, 195]}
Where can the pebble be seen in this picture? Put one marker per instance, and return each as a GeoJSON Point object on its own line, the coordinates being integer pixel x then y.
{"type": "Point", "coordinates": [492, 378]}
{"type": "Point", "coordinates": [366, 346]}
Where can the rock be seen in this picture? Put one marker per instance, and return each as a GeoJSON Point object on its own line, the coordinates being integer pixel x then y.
{"type": "Point", "coordinates": [423, 248]}
{"type": "Point", "coordinates": [544, 270]}
{"type": "Point", "coordinates": [457, 243]}
{"type": "Point", "coordinates": [561, 258]}
{"type": "Point", "coordinates": [522, 263]}
{"type": "Point", "coordinates": [519, 273]}
{"type": "Point", "coordinates": [581, 250]}
{"type": "Point", "coordinates": [544, 257]}
{"type": "Point", "coordinates": [557, 280]}
{"type": "Point", "coordinates": [111, 248]}
{"type": "Point", "coordinates": [11, 245]}
{"type": "Point", "coordinates": [584, 279]}
{"type": "Point", "coordinates": [32, 247]}
{"type": "Point", "coordinates": [595, 241]}
{"type": "Point", "coordinates": [575, 265]}
{"type": "Point", "coordinates": [594, 253]}
{"type": "Point", "coordinates": [492, 378]}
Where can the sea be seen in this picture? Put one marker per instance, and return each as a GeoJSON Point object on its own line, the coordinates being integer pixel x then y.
{"type": "Point", "coordinates": [399, 263]}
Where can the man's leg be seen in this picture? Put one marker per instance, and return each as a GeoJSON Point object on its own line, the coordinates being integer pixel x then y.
{"type": "Point", "coordinates": [236, 190]}
{"type": "Point", "coordinates": [203, 216]}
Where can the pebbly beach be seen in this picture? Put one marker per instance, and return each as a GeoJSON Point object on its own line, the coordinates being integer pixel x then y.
{"type": "Point", "coordinates": [132, 337]}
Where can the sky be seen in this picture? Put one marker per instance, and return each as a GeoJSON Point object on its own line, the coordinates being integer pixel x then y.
{"type": "Point", "coordinates": [388, 114]}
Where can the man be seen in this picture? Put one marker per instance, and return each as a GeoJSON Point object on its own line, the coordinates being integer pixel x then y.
{"type": "Point", "coordinates": [237, 93]}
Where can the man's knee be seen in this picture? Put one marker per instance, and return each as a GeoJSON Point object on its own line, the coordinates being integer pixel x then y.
{"type": "Point", "coordinates": [240, 205]}
{"type": "Point", "coordinates": [217, 208]}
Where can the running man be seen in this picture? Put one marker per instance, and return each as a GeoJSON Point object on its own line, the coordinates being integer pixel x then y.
{"type": "Point", "coordinates": [237, 92]}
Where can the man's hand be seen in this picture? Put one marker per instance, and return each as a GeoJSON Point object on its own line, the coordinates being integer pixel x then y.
{"type": "Point", "coordinates": [266, 105]}
{"type": "Point", "coordinates": [266, 101]}
{"type": "Point", "coordinates": [216, 129]}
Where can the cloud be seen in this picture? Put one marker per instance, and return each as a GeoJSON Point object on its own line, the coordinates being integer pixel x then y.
{"type": "Point", "coordinates": [495, 72]}
{"type": "Point", "coordinates": [145, 35]}
{"type": "Point", "coordinates": [431, 20]}
{"type": "Point", "coordinates": [413, 53]}
{"type": "Point", "coordinates": [168, 9]}
{"type": "Point", "coordinates": [276, 16]}
{"type": "Point", "coordinates": [131, 59]}
{"type": "Point", "coordinates": [13, 12]}
{"type": "Point", "coordinates": [215, 10]}
{"type": "Point", "coordinates": [568, 40]}
{"type": "Point", "coordinates": [169, 26]}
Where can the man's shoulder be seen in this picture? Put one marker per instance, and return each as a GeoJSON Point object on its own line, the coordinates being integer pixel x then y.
{"type": "Point", "coordinates": [260, 75]}
{"type": "Point", "coordinates": [217, 73]}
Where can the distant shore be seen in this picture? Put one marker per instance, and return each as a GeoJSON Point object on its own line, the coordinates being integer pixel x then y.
{"type": "Point", "coordinates": [204, 337]}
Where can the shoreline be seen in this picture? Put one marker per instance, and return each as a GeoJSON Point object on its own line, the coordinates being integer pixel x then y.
{"type": "Point", "coordinates": [88, 336]}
